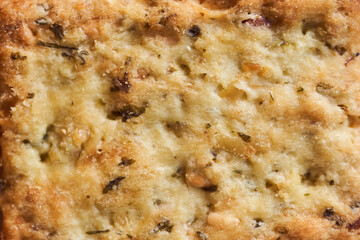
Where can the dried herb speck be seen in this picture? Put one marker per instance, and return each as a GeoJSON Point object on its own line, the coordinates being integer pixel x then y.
{"type": "Point", "coordinates": [258, 222]}
{"type": "Point", "coordinates": [126, 161]}
{"type": "Point", "coordinates": [113, 184]}
{"type": "Point", "coordinates": [208, 125]}
{"type": "Point", "coordinates": [121, 84]}
{"type": "Point", "coordinates": [41, 21]}
{"type": "Point", "coordinates": [17, 56]}
{"type": "Point", "coordinates": [97, 232]}
{"type": "Point", "coordinates": [163, 226]}
{"type": "Point", "coordinates": [57, 30]}
{"type": "Point", "coordinates": [194, 31]}
{"type": "Point", "coordinates": [244, 137]}
{"type": "Point", "coordinates": [340, 49]}
{"type": "Point", "coordinates": [201, 235]}
{"type": "Point", "coordinates": [54, 45]}
{"type": "Point", "coordinates": [300, 89]}
{"type": "Point", "coordinates": [30, 95]}
{"type": "Point", "coordinates": [128, 111]}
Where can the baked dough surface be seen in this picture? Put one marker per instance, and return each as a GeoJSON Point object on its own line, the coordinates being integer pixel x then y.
{"type": "Point", "coordinates": [180, 119]}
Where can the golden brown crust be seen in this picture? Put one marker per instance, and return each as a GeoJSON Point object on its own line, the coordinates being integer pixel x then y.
{"type": "Point", "coordinates": [165, 119]}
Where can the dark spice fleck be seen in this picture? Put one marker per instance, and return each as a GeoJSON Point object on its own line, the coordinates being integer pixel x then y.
{"type": "Point", "coordinates": [238, 171]}
{"type": "Point", "coordinates": [57, 30]}
{"type": "Point", "coordinates": [354, 226]}
{"type": "Point", "coordinates": [355, 205]}
{"type": "Point", "coordinates": [126, 161]}
{"type": "Point", "coordinates": [163, 226]}
{"type": "Point", "coordinates": [17, 55]}
{"type": "Point", "coordinates": [259, 222]}
{"type": "Point", "coordinates": [300, 89]}
{"type": "Point", "coordinates": [41, 21]}
{"type": "Point", "coordinates": [340, 49]}
{"type": "Point", "coordinates": [208, 125]}
{"type": "Point", "coordinates": [257, 22]}
{"type": "Point", "coordinates": [129, 236]}
{"type": "Point", "coordinates": [331, 182]}
{"type": "Point", "coordinates": [30, 95]}
{"type": "Point", "coordinates": [44, 157]}
{"type": "Point", "coordinates": [54, 45]}
{"type": "Point", "coordinates": [180, 172]}
{"type": "Point", "coordinates": [244, 137]}
{"type": "Point", "coordinates": [113, 184]}
{"type": "Point", "coordinates": [157, 202]}
{"type": "Point", "coordinates": [271, 96]}
{"type": "Point", "coordinates": [97, 231]}
{"type": "Point", "coordinates": [211, 189]}
{"type": "Point", "coordinates": [194, 31]}
{"type": "Point", "coordinates": [81, 56]}
{"type": "Point", "coordinates": [328, 212]}
{"type": "Point", "coordinates": [26, 141]}
{"type": "Point", "coordinates": [201, 235]}
{"type": "Point", "coordinates": [121, 84]}
{"type": "Point", "coordinates": [128, 111]}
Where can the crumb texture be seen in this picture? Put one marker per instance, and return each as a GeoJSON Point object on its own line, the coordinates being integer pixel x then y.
{"type": "Point", "coordinates": [180, 119]}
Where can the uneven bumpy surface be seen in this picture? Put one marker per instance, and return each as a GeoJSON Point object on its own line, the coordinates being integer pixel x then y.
{"type": "Point", "coordinates": [180, 119]}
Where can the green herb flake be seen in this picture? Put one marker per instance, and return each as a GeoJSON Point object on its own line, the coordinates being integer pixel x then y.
{"type": "Point", "coordinates": [244, 137]}
{"type": "Point", "coordinates": [113, 184]}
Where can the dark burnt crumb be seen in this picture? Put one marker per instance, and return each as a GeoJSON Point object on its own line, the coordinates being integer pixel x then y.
{"type": "Point", "coordinates": [329, 212]}
{"type": "Point", "coordinates": [258, 222]}
{"type": "Point", "coordinates": [331, 182]}
{"type": "Point", "coordinates": [340, 49]}
{"type": "Point", "coordinates": [201, 235]}
{"type": "Point", "coordinates": [238, 171]}
{"type": "Point", "coordinates": [194, 31]}
{"type": "Point", "coordinates": [57, 30]}
{"type": "Point", "coordinates": [30, 95]}
{"type": "Point", "coordinates": [126, 161]}
{"type": "Point", "coordinates": [113, 184]}
{"type": "Point", "coordinates": [121, 84]}
{"type": "Point", "coordinates": [351, 59]}
{"type": "Point", "coordinates": [157, 202]}
{"type": "Point", "coordinates": [54, 45]}
{"type": "Point", "coordinates": [128, 111]}
{"type": "Point", "coordinates": [256, 22]}
{"type": "Point", "coordinates": [163, 226]}
{"type": "Point", "coordinates": [208, 125]}
{"type": "Point", "coordinates": [129, 236]}
{"type": "Point", "coordinates": [49, 129]}
{"type": "Point", "coordinates": [17, 56]}
{"type": "Point", "coordinates": [300, 89]}
{"type": "Point", "coordinates": [44, 157]}
{"type": "Point", "coordinates": [26, 141]}
{"type": "Point", "coordinates": [97, 232]}
{"type": "Point", "coordinates": [87, 196]}
{"type": "Point", "coordinates": [244, 137]}
{"type": "Point", "coordinates": [354, 226]}
{"type": "Point", "coordinates": [211, 189]}
{"type": "Point", "coordinates": [41, 21]}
